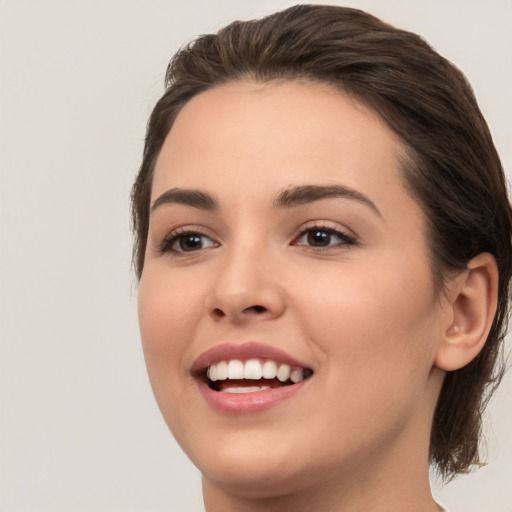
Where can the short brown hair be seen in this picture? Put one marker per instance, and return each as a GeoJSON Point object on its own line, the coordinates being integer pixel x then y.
{"type": "Point", "coordinates": [453, 169]}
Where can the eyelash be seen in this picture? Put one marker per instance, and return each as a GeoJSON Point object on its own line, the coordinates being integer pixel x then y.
{"type": "Point", "coordinates": [168, 243]}
{"type": "Point", "coordinates": [345, 240]}
{"type": "Point", "coordinates": [170, 240]}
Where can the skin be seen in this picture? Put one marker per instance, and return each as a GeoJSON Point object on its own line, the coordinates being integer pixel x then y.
{"type": "Point", "coordinates": [364, 316]}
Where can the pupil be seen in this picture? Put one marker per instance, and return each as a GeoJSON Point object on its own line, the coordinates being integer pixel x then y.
{"type": "Point", "coordinates": [319, 238]}
{"type": "Point", "coordinates": [190, 242]}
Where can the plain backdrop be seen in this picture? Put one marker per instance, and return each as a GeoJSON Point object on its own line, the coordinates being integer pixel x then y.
{"type": "Point", "coordinates": [79, 428]}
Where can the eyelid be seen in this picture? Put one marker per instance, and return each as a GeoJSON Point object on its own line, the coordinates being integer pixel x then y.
{"type": "Point", "coordinates": [328, 226]}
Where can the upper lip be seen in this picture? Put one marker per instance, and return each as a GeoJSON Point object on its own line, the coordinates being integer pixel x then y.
{"type": "Point", "coordinates": [243, 352]}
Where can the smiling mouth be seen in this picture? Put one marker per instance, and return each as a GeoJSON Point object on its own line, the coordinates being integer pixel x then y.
{"type": "Point", "coordinates": [253, 375]}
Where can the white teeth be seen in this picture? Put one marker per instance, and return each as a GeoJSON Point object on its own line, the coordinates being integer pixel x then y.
{"type": "Point", "coordinates": [283, 373]}
{"type": "Point", "coordinates": [212, 372]}
{"type": "Point", "coordinates": [222, 370]}
{"type": "Point", "coordinates": [269, 370]}
{"type": "Point", "coordinates": [253, 369]}
{"type": "Point", "coordinates": [248, 389]}
{"type": "Point", "coordinates": [235, 369]}
{"type": "Point", "coordinates": [297, 375]}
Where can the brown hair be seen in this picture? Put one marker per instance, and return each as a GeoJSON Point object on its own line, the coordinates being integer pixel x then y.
{"type": "Point", "coordinates": [452, 169]}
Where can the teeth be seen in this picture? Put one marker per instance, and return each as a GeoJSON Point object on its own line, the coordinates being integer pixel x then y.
{"type": "Point", "coordinates": [212, 372]}
{"type": "Point", "coordinates": [248, 389]}
{"type": "Point", "coordinates": [296, 375]}
{"type": "Point", "coordinates": [222, 370]}
{"type": "Point", "coordinates": [269, 370]}
{"type": "Point", "coordinates": [254, 369]}
{"type": "Point", "coordinates": [283, 373]}
{"type": "Point", "coordinates": [235, 369]}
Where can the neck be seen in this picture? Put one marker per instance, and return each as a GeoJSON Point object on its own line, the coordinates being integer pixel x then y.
{"type": "Point", "coordinates": [400, 490]}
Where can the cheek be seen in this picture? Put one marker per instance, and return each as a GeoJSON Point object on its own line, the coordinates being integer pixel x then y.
{"type": "Point", "coordinates": [375, 343]}
{"type": "Point", "coordinates": [167, 316]}
{"type": "Point", "coordinates": [371, 322]}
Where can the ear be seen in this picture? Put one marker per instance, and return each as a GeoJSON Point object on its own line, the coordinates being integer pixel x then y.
{"type": "Point", "coordinates": [473, 297]}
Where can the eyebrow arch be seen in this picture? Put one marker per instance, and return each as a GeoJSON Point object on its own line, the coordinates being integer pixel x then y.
{"type": "Point", "coordinates": [304, 194]}
{"type": "Point", "coordinates": [189, 197]}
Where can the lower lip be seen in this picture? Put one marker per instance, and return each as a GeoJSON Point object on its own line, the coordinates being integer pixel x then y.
{"type": "Point", "coordinates": [248, 403]}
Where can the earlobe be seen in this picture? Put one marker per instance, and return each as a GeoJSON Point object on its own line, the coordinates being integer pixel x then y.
{"type": "Point", "coordinates": [473, 307]}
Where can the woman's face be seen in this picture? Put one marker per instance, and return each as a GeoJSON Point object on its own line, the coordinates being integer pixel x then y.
{"type": "Point", "coordinates": [281, 235]}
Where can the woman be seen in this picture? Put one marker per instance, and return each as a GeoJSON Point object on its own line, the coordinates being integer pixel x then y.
{"type": "Point", "coordinates": [324, 252]}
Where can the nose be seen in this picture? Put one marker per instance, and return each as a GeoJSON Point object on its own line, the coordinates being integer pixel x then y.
{"type": "Point", "coordinates": [246, 287]}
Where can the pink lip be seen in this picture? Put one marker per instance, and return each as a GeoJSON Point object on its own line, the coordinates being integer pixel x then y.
{"type": "Point", "coordinates": [244, 403]}
{"type": "Point", "coordinates": [248, 403]}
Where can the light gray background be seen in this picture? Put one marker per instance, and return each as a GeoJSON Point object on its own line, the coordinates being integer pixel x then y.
{"type": "Point", "coordinates": [79, 429]}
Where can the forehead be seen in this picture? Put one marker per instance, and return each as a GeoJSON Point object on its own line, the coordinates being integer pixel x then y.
{"type": "Point", "coordinates": [284, 133]}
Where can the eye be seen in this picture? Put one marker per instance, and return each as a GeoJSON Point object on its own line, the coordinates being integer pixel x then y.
{"type": "Point", "coordinates": [323, 237]}
{"type": "Point", "coordinates": [186, 242]}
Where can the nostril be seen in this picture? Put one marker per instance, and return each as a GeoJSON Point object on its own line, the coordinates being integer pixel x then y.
{"type": "Point", "coordinates": [256, 309]}
{"type": "Point", "coordinates": [218, 313]}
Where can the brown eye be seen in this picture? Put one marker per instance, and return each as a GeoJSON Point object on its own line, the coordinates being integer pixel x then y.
{"type": "Point", "coordinates": [323, 238]}
{"type": "Point", "coordinates": [187, 242]}
{"type": "Point", "coordinates": [318, 238]}
{"type": "Point", "coordinates": [191, 242]}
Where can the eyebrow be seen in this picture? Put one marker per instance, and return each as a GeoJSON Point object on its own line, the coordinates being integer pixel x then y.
{"type": "Point", "coordinates": [289, 198]}
{"type": "Point", "coordinates": [304, 194]}
{"type": "Point", "coordinates": [189, 197]}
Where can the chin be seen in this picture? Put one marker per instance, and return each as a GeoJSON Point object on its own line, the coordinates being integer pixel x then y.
{"type": "Point", "coordinates": [259, 479]}
{"type": "Point", "coordinates": [259, 468]}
